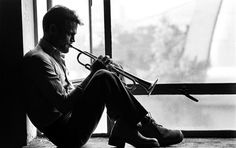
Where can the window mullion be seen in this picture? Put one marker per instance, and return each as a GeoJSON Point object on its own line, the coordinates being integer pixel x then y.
{"type": "Point", "coordinates": [190, 88]}
{"type": "Point", "coordinates": [107, 28]}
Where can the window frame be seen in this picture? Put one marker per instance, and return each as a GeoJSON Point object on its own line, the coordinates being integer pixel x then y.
{"type": "Point", "coordinates": [174, 88]}
{"type": "Point", "coordinates": [170, 88]}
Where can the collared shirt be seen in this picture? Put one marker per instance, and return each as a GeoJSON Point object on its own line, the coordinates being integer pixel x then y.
{"type": "Point", "coordinates": [60, 58]}
{"type": "Point", "coordinates": [48, 91]}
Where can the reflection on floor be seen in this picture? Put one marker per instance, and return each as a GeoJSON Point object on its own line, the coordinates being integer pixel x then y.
{"type": "Point", "coordinates": [187, 143]}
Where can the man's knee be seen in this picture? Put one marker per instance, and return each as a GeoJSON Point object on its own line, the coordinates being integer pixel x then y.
{"type": "Point", "coordinates": [104, 74]}
{"type": "Point", "coordinates": [106, 77]}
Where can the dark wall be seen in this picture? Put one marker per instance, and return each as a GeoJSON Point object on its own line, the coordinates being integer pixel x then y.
{"type": "Point", "coordinates": [13, 120]}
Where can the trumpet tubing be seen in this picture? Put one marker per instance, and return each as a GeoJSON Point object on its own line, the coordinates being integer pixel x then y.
{"type": "Point", "coordinates": [149, 87]}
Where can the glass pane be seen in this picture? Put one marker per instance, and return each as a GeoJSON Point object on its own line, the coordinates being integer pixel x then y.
{"type": "Point", "coordinates": [223, 50]}
{"type": "Point", "coordinates": [41, 10]}
{"type": "Point", "coordinates": [212, 112]}
{"type": "Point", "coordinates": [98, 28]}
{"type": "Point", "coordinates": [176, 41]}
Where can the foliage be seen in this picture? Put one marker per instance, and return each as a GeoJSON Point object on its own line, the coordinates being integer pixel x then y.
{"type": "Point", "coordinates": [156, 50]}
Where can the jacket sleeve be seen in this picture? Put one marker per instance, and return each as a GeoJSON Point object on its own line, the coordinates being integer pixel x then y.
{"type": "Point", "coordinates": [42, 74]}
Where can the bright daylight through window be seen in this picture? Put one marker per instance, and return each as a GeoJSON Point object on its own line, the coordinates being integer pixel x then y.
{"type": "Point", "coordinates": [179, 42]}
{"type": "Point", "coordinates": [176, 41]}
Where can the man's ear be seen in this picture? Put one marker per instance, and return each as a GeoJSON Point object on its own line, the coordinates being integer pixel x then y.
{"type": "Point", "coordinates": [52, 29]}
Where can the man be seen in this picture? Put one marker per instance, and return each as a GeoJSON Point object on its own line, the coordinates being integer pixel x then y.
{"type": "Point", "coordinates": [68, 115]}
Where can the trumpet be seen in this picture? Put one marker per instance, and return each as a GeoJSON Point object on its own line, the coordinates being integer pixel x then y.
{"type": "Point", "coordinates": [148, 87]}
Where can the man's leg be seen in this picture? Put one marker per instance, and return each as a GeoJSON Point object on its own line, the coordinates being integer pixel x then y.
{"type": "Point", "coordinates": [105, 88]}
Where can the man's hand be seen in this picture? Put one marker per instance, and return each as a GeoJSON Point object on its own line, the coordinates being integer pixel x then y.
{"type": "Point", "coordinates": [100, 63]}
{"type": "Point", "coordinates": [110, 66]}
{"type": "Point", "coordinates": [105, 63]}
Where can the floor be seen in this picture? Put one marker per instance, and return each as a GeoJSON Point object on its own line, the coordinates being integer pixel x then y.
{"type": "Point", "coordinates": [187, 143]}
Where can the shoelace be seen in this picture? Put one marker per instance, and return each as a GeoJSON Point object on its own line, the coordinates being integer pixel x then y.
{"type": "Point", "coordinates": [150, 120]}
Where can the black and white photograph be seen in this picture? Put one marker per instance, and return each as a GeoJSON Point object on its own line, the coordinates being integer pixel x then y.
{"type": "Point", "coordinates": [118, 73]}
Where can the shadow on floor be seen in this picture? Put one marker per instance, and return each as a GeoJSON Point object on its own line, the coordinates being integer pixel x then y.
{"type": "Point", "coordinates": [187, 143]}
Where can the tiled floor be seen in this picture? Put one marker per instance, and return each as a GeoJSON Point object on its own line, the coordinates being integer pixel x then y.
{"type": "Point", "coordinates": [187, 143]}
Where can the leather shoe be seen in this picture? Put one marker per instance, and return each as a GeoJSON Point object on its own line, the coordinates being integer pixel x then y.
{"type": "Point", "coordinates": [164, 136]}
{"type": "Point", "coordinates": [123, 133]}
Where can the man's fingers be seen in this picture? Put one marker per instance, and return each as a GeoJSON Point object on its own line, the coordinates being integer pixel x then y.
{"type": "Point", "coordinates": [106, 60]}
{"type": "Point", "coordinates": [100, 57]}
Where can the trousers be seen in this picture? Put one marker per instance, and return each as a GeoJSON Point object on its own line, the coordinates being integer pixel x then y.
{"type": "Point", "coordinates": [104, 89]}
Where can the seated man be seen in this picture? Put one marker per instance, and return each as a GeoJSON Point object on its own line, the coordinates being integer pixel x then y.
{"type": "Point", "coordinates": [68, 115]}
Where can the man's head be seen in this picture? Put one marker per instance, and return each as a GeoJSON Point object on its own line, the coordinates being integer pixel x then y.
{"type": "Point", "coordinates": [60, 27]}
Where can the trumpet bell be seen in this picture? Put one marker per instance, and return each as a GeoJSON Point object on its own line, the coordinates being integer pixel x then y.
{"type": "Point", "coordinates": [148, 87]}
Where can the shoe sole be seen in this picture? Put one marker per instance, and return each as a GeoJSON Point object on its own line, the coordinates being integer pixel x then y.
{"type": "Point", "coordinates": [120, 143]}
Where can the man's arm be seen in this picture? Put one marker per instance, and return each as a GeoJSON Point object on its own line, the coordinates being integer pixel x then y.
{"type": "Point", "coordinates": [42, 73]}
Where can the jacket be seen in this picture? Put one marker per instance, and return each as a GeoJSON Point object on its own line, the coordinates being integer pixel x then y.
{"type": "Point", "coordinates": [48, 92]}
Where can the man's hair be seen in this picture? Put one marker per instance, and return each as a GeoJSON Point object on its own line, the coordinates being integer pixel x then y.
{"type": "Point", "coordinates": [58, 15]}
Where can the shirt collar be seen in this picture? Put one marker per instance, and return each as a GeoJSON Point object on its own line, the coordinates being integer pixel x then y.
{"type": "Point", "coordinates": [51, 50]}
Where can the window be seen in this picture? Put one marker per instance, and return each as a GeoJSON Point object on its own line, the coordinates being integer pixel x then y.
{"type": "Point", "coordinates": [184, 41]}
{"type": "Point", "coordinates": [186, 44]}
{"type": "Point", "coordinates": [164, 39]}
